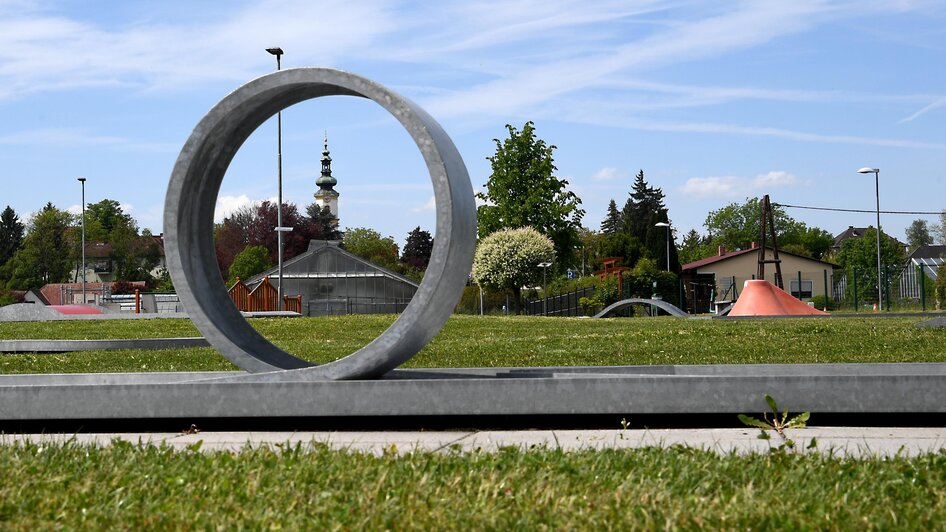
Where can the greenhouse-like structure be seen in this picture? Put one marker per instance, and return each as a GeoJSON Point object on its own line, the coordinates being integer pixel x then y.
{"type": "Point", "coordinates": [332, 281]}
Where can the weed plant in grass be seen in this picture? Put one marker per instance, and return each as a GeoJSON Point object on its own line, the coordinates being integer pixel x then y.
{"type": "Point", "coordinates": [496, 341]}
{"type": "Point", "coordinates": [126, 486]}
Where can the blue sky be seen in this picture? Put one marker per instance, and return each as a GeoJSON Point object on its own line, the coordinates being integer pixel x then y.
{"type": "Point", "coordinates": [715, 101]}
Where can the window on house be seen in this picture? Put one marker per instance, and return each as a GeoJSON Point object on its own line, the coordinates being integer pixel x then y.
{"type": "Point", "coordinates": [805, 289]}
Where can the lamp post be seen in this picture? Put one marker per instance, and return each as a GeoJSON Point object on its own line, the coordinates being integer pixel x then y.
{"type": "Point", "coordinates": [545, 290]}
{"type": "Point", "coordinates": [279, 227]}
{"type": "Point", "coordinates": [667, 225]}
{"type": "Point", "coordinates": [82, 182]}
{"type": "Point", "coordinates": [880, 290]}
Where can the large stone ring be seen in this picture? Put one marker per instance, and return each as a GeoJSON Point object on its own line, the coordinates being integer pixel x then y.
{"type": "Point", "coordinates": [192, 196]}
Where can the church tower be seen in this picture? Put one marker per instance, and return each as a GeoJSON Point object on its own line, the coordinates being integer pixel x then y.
{"type": "Point", "coordinates": [326, 196]}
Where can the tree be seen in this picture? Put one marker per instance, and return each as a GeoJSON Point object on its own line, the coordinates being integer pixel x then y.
{"type": "Point", "coordinates": [104, 217]}
{"type": "Point", "coordinates": [371, 246]}
{"type": "Point", "coordinates": [643, 209]}
{"type": "Point", "coordinates": [918, 234]}
{"type": "Point", "coordinates": [417, 249]}
{"type": "Point", "coordinates": [736, 226]}
{"type": "Point", "coordinates": [612, 221]}
{"type": "Point", "coordinates": [694, 247]}
{"type": "Point", "coordinates": [255, 225]}
{"type": "Point", "coordinates": [523, 192]}
{"type": "Point", "coordinates": [45, 256]}
{"type": "Point", "coordinates": [939, 229]}
{"type": "Point", "coordinates": [858, 257]}
{"type": "Point", "coordinates": [510, 258]}
{"type": "Point", "coordinates": [324, 223]}
{"type": "Point", "coordinates": [11, 234]}
{"type": "Point", "coordinates": [253, 260]}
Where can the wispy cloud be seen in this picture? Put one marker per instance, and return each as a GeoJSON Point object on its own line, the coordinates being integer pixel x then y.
{"type": "Point", "coordinates": [733, 187]}
{"type": "Point", "coordinates": [935, 105]}
{"type": "Point", "coordinates": [186, 53]}
{"type": "Point", "coordinates": [608, 174]}
{"type": "Point", "coordinates": [429, 206]}
{"type": "Point", "coordinates": [77, 137]}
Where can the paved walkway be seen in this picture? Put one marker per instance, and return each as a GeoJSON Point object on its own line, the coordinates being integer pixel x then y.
{"type": "Point", "coordinates": [844, 441]}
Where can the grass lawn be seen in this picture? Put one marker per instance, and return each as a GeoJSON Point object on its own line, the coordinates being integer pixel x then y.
{"type": "Point", "coordinates": [312, 487]}
{"type": "Point", "coordinates": [474, 341]}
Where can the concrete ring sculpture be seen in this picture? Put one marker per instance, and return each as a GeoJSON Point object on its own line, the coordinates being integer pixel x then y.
{"type": "Point", "coordinates": [192, 195]}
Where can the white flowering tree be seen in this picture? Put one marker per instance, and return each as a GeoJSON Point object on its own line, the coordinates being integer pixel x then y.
{"type": "Point", "coordinates": [510, 258]}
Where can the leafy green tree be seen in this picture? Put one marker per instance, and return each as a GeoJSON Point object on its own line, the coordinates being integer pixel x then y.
{"type": "Point", "coordinates": [46, 254]}
{"type": "Point", "coordinates": [612, 220]}
{"type": "Point", "coordinates": [858, 257]}
{"type": "Point", "coordinates": [918, 234]}
{"type": "Point", "coordinates": [695, 247]}
{"type": "Point", "coordinates": [522, 191]}
{"type": "Point", "coordinates": [370, 245]}
{"type": "Point", "coordinates": [104, 217]}
{"type": "Point", "coordinates": [11, 234]}
{"type": "Point", "coordinates": [254, 225]}
{"type": "Point", "coordinates": [736, 226]}
{"type": "Point", "coordinates": [253, 260]}
{"type": "Point", "coordinates": [417, 249]}
{"type": "Point", "coordinates": [509, 259]}
{"type": "Point", "coordinates": [939, 229]}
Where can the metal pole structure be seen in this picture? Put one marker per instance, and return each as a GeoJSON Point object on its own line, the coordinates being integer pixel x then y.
{"type": "Point", "coordinates": [545, 289]}
{"type": "Point", "coordinates": [279, 227]}
{"type": "Point", "coordinates": [82, 181]}
{"type": "Point", "coordinates": [667, 225]}
{"type": "Point", "coordinates": [880, 288]}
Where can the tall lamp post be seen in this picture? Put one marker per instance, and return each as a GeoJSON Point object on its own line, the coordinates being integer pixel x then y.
{"type": "Point", "coordinates": [82, 181]}
{"type": "Point", "coordinates": [667, 225]}
{"type": "Point", "coordinates": [279, 227]}
{"type": "Point", "coordinates": [880, 290]}
{"type": "Point", "coordinates": [545, 290]}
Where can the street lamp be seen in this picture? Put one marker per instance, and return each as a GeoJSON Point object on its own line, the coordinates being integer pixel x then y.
{"type": "Point", "coordinates": [545, 290]}
{"type": "Point", "coordinates": [279, 227]}
{"type": "Point", "coordinates": [82, 181]}
{"type": "Point", "coordinates": [667, 225]}
{"type": "Point", "coordinates": [876, 172]}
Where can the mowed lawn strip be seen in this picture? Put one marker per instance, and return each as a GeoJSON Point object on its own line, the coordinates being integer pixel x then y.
{"type": "Point", "coordinates": [126, 486]}
{"type": "Point", "coordinates": [495, 341]}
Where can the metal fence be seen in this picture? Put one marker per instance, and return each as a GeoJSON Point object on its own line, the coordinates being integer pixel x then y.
{"type": "Point", "coordinates": [566, 304]}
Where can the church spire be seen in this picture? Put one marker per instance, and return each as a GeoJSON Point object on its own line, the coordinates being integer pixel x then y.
{"type": "Point", "coordinates": [327, 196]}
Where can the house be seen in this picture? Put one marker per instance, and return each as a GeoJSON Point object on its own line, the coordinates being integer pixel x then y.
{"type": "Point", "coordinates": [716, 281]}
{"type": "Point", "coordinates": [334, 281]}
{"type": "Point", "coordinates": [100, 267]}
{"type": "Point", "coordinates": [857, 232]}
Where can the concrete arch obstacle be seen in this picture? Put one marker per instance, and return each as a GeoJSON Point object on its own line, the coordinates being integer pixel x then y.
{"type": "Point", "coordinates": [659, 303]}
{"type": "Point", "coordinates": [192, 194]}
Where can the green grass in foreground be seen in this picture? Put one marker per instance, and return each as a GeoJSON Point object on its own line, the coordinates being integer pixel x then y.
{"type": "Point", "coordinates": [474, 341]}
{"type": "Point", "coordinates": [131, 487]}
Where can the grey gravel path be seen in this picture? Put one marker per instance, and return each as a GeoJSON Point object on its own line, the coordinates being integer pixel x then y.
{"type": "Point", "coordinates": [842, 441]}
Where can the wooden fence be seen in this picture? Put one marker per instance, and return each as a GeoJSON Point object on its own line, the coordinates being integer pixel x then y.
{"type": "Point", "coordinates": [263, 298]}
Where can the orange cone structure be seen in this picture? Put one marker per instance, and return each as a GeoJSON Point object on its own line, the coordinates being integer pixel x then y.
{"type": "Point", "coordinates": [762, 298]}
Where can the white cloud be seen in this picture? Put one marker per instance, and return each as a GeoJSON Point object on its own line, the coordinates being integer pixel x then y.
{"type": "Point", "coordinates": [429, 206]}
{"type": "Point", "coordinates": [711, 187]}
{"type": "Point", "coordinates": [40, 51]}
{"type": "Point", "coordinates": [226, 205]}
{"type": "Point", "coordinates": [774, 179]}
{"type": "Point", "coordinates": [733, 187]}
{"type": "Point", "coordinates": [608, 174]}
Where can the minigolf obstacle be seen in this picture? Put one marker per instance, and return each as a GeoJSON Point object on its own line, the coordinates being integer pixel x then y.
{"type": "Point", "coordinates": [762, 298]}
